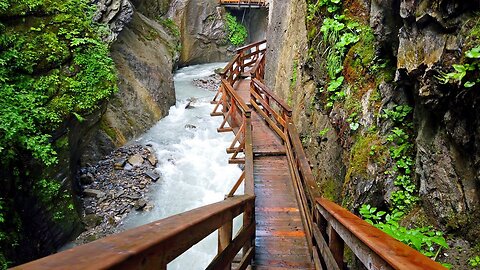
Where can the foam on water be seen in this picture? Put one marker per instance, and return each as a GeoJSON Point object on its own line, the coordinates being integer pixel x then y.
{"type": "Point", "coordinates": [192, 162]}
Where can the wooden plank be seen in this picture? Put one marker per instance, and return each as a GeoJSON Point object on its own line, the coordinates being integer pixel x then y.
{"type": "Point", "coordinates": [265, 105]}
{"type": "Point", "coordinates": [251, 45]}
{"type": "Point", "coordinates": [302, 160]}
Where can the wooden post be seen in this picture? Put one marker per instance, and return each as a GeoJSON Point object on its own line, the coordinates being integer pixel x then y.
{"type": "Point", "coordinates": [336, 245]}
{"type": "Point", "coordinates": [249, 218]}
{"type": "Point", "coordinates": [225, 237]}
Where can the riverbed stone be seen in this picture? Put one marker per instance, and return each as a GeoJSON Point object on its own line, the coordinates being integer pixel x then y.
{"type": "Point", "coordinates": [136, 160]}
{"type": "Point", "coordinates": [86, 179]}
{"type": "Point", "coordinates": [152, 159]}
{"type": "Point", "coordinates": [140, 204]}
{"type": "Point", "coordinates": [88, 192]}
{"type": "Point", "coordinates": [152, 175]}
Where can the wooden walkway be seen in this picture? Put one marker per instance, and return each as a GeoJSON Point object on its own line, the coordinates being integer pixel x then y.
{"type": "Point", "coordinates": [280, 236]}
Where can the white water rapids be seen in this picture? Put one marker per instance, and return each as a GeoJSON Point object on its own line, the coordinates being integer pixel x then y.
{"type": "Point", "coordinates": [193, 163]}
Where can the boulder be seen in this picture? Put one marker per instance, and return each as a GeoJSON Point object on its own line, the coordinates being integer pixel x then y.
{"type": "Point", "coordinates": [152, 159]}
{"type": "Point", "coordinates": [140, 204]}
{"type": "Point", "coordinates": [95, 193]}
{"type": "Point", "coordinates": [136, 160]}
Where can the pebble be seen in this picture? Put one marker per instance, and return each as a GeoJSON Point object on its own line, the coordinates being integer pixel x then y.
{"type": "Point", "coordinates": [115, 186]}
{"type": "Point", "coordinates": [210, 83]}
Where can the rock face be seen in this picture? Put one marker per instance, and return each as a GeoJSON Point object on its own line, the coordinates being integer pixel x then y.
{"type": "Point", "coordinates": [145, 55]}
{"type": "Point", "coordinates": [418, 39]}
{"type": "Point", "coordinates": [202, 30]}
{"type": "Point", "coordinates": [116, 14]}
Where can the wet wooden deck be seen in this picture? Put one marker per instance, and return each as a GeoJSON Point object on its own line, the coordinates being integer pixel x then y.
{"type": "Point", "coordinates": [280, 237]}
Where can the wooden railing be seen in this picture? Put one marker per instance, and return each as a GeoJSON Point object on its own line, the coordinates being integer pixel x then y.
{"type": "Point", "coordinates": [258, 70]}
{"type": "Point", "coordinates": [264, 101]}
{"type": "Point", "coordinates": [154, 245]}
{"type": "Point", "coordinates": [245, 58]}
{"type": "Point", "coordinates": [236, 114]}
{"type": "Point", "coordinates": [329, 227]}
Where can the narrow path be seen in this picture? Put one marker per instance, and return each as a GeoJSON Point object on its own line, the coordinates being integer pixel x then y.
{"type": "Point", "coordinates": [280, 237]}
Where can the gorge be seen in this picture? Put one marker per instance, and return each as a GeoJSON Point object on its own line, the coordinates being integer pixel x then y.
{"type": "Point", "coordinates": [383, 94]}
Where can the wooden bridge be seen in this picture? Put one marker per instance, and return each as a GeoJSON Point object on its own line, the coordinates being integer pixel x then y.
{"type": "Point", "coordinates": [244, 3]}
{"type": "Point", "coordinates": [286, 225]}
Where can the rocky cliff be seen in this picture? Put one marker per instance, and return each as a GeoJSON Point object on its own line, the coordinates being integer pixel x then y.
{"type": "Point", "coordinates": [145, 54]}
{"type": "Point", "coordinates": [378, 103]}
{"type": "Point", "coordinates": [203, 31]}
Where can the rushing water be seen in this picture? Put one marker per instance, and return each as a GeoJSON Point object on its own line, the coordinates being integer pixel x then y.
{"type": "Point", "coordinates": [192, 162]}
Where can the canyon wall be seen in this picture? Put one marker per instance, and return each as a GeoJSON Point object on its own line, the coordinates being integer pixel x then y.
{"type": "Point", "coordinates": [393, 71]}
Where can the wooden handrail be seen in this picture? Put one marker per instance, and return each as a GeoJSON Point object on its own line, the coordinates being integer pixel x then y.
{"type": "Point", "coordinates": [154, 245]}
{"type": "Point", "coordinates": [258, 70]}
{"type": "Point", "coordinates": [251, 45]}
{"type": "Point", "coordinates": [246, 2]}
{"type": "Point", "coordinates": [238, 100]}
{"type": "Point", "coordinates": [262, 87]}
{"type": "Point", "coordinates": [229, 65]}
{"type": "Point", "coordinates": [376, 249]}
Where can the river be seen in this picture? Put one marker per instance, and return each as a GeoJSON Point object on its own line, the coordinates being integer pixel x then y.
{"type": "Point", "coordinates": [193, 163]}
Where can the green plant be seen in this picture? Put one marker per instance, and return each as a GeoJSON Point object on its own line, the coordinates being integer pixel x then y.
{"type": "Point", "coordinates": [353, 122]}
{"type": "Point", "coordinates": [462, 70]}
{"type": "Point", "coordinates": [339, 34]}
{"type": "Point", "coordinates": [47, 190]}
{"type": "Point", "coordinates": [170, 25]}
{"type": "Point", "coordinates": [424, 239]}
{"type": "Point", "coordinates": [323, 132]}
{"type": "Point", "coordinates": [474, 261]}
{"type": "Point", "coordinates": [50, 71]}
{"type": "Point", "coordinates": [237, 32]}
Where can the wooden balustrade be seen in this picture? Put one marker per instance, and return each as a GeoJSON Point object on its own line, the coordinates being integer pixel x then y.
{"type": "Point", "coordinates": [258, 70]}
{"type": "Point", "coordinates": [265, 101]}
{"type": "Point", "coordinates": [235, 113]}
{"type": "Point", "coordinates": [154, 245]}
{"type": "Point", "coordinates": [336, 227]}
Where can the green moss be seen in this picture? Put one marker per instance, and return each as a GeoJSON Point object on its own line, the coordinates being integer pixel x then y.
{"type": "Point", "coordinates": [330, 190]}
{"type": "Point", "coordinates": [456, 221]}
{"type": "Point", "coordinates": [472, 33]}
{"type": "Point", "coordinates": [361, 154]}
{"type": "Point", "coordinates": [50, 68]}
{"type": "Point", "coordinates": [62, 142]}
{"type": "Point", "coordinates": [293, 82]}
{"type": "Point", "coordinates": [170, 25]}
{"type": "Point", "coordinates": [352, 103]}
{"type": "Point", "coordinates": [108, 129]}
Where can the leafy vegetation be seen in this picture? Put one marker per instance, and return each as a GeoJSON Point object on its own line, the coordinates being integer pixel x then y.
{"type": "Point", "coordinates": [424, 239]}
{"type": "Point", "coordinates": [474, 262]}
{"type": "Point", "coordinates": [170, 25]}
{"type": "Point", "coordinates": [54, 68]}
{"type": "Point", "coordinates": [237, 32]}
{"type": "Point", "coordinates": [401, 152]}
{"type": "Point", "coordinates": [466, 70]}
{"type": "Point", "coordinates": [339, 33]}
